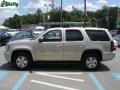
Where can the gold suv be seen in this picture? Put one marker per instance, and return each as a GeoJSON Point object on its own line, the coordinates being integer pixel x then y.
{"type": "Point", "coordinates": [88, 46]}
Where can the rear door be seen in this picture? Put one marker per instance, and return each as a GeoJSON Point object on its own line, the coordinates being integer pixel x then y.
{"type": "Point", "coordinates": [73, 45]}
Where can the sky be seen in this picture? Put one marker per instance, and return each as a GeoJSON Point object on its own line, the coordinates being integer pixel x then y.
{"type": "Point", "coordinates": [30, 6]}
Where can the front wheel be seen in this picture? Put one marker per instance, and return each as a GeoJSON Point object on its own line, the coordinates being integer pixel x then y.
{"type": "Point", "coordinates": [91, 62]}
{"type": "Point", "coordinates": [22, 60]}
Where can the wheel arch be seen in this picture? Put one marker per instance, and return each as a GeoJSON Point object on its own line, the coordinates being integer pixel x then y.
{"type": "Point", "coordinates": [20, 50]}
{"type": "Point", "coordinates": [92, 51]}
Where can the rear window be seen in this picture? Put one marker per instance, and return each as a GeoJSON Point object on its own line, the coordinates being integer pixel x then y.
{"type": "Point", "coordinates": [97, 35]}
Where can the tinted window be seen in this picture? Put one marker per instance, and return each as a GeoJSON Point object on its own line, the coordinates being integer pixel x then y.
{"type": "Point", "coordinates": [73, 35]}
{"type": "Point", "coordinates": [54, 35]}
{"type": "Point", "coordinates": [97, 35]}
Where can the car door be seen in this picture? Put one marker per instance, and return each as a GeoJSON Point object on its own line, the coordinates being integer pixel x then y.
{"type": "Point", "coordinates": [73, 45]}
{"type": "Point", "coordinates": [51, 48]}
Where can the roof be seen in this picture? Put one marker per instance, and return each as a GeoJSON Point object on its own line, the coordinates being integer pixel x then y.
{"type": "Point", "coordinates": [90, 28]}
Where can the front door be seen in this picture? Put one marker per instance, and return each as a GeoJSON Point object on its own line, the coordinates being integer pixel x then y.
{"type": "Point", "coordinates": [51, 48]}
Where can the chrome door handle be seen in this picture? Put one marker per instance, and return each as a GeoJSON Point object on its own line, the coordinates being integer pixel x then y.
{"type": "Point", "coordinates": [59, 45]}
{"type": "Point", "coordinates": [81, 45]}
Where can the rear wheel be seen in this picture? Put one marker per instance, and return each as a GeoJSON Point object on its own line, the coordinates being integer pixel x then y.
{"type": "Point", "coordinates": [90, 62]}
{"type": "Point", "coordinates": [22, 60]}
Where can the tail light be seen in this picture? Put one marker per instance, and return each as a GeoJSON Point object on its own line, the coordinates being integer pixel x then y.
{"type": "Point", "coordinates": [113, 47]}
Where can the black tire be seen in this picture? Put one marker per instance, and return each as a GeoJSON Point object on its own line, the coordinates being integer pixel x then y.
{"type": "Point", "coordinates": [88, 64]}
{"type": "Point", "coordinates": [26, 60]}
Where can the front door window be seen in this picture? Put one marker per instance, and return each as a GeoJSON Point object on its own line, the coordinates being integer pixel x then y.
{"type": "Point", "coordinates": [54, 35]}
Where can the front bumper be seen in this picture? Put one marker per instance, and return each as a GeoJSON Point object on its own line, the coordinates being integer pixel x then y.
{"type": "Point", "coordinates": [7, 56]}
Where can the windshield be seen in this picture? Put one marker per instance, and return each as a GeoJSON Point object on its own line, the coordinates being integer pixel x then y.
{"type": "Point", "coordinates": [36, 36]}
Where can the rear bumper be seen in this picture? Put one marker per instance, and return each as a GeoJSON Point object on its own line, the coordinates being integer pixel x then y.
{"type": "Point", "coordinates": [108, 56]}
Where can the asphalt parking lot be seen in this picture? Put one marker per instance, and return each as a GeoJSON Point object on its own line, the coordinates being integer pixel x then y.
{"type": "Point", "coordinates": [60, 76]}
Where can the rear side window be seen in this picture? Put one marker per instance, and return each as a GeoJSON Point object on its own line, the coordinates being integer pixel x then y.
{"type": "Point", "coordinates": [97, 35]}
{"type": "Point", "coordinates": [74, 35]}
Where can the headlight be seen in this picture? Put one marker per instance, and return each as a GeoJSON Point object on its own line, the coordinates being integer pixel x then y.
{"type": "Point", "coordinates": [7, 48]}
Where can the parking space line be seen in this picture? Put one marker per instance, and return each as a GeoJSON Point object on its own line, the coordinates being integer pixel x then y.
{"type": "Point", "coordinates": [3, 74]}
{"type": "Point", "coordinates": [116, 75]}
{"type": "Point", "coordinates": [72, 73]}
{"type": "Point", "coordinates": [96, 82]}
{"type": "Point", "coordinates": [53, 85]}
{"type": "Point", "coordinates": [56, 76]}
{"type": "Point", "coordinates": [20, 81]}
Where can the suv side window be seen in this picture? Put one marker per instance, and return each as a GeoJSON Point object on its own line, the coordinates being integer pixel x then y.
{"type": "Point", "coordinates": [73, 35]}
{"type": "Point", "coordinates": [54, 35]}
{"type": "Point", "coordinates": [97, 35]}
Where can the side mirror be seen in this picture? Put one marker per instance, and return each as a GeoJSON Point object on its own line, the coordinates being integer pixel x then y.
{"type": "Point", "coordinates": [41, 39]}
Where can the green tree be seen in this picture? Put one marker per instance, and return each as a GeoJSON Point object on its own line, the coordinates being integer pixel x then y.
{"type": "Point", "coordinates": [98, 18]}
